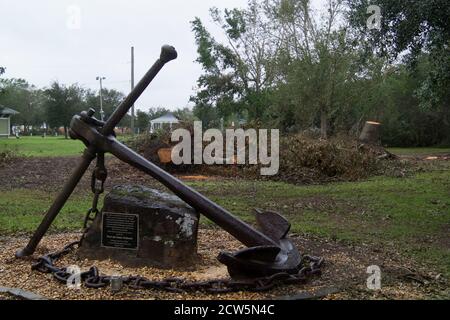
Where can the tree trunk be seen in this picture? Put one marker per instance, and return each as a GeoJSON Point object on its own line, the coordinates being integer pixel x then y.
{"type": "Point", "coordinates": [371, 133]}
{"type": "Point", "coordinates": [66, 133]}
{"type": "Point", "coordinates": [323, 125]}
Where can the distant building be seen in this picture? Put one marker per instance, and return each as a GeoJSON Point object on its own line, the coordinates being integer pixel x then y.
{"type": "Point", "coordinates": [167, 121]}
{"type": "Point", "coordinates": [5, 121]}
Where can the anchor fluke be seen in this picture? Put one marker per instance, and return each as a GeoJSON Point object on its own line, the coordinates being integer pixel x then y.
{"type": "Point", "coordinates": [262, 261]}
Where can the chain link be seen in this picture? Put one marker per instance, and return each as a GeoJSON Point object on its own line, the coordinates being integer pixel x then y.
{"type": "Point", "coordinates": [98, 178]}
{"type": "Point", "coordinates": [92, 279]}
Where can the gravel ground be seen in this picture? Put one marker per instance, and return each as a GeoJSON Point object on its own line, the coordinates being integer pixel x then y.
{"type": "Point", "coordinates": [345, 269]}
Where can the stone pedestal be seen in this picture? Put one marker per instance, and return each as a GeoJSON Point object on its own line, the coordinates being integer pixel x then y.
{"type": "Point", "coordinates": [139, 226]}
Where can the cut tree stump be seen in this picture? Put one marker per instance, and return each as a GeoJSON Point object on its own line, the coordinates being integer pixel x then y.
{"type": "Point", "coordinates": [370, 138]}
{"type": "Point", "coordinates": [165, 155]}
{"type": "Point", "coordinates": [371, 133]}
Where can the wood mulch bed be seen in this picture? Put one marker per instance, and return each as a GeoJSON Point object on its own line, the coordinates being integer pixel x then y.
{"type": "Point", "coordinates": [344, 271]}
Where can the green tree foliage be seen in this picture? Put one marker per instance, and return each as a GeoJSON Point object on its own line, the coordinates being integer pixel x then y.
{"type": "Point", "coordinates": [419, 30]}
{"type": "Point", "coordinates": [111, 99]}
{"type": "Point", "coordinates": [62, 103]}
{"type": "Point", "coordinates": [405, 121]}
{"type": "Point", "coordinates": [278, 65]}
{"type": "Point", "coordinates": [185, 115]}
{"type": "Point", "coordinates": [19, 95]}
{"type": "Point", "coordinates": [283, 66]}
{"type": "Point", "coordinates": [238, 73]}
{"type": "Point", "coordinates": [317, 69]}
{"type": "Point", "coordinates": [142, 120]}
{"type": "Point", "coordinates": [411, 25]}
{"type": "Point", "coordinates": [2, 71]}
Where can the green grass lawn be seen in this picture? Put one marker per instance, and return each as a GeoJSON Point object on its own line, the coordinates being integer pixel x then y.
{"type": "Point", "coordinates": [419, 151]}
{"type": "Point", "coordinates": [42, 147]}
{"type": "Point", "coordinates": [410, 215]}
{"type": "Point", "coordinates": [23, 210]}
{"type": "Point", "coordinates": [46, 147]}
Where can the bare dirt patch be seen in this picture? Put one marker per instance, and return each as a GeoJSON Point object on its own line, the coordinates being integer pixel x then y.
{"type": "Point", "coordinates": [50, 174]}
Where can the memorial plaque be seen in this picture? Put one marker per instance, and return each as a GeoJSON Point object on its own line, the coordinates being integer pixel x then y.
{"type": "Point", "coordinates": [166, 229]}
{"type": "Point", "coordinates": [120, 230]}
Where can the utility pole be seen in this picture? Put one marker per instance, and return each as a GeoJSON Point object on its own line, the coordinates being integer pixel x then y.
{"type": "Point", "coordinates": [102, 114]}
{"type": "Point", "coordinates": [132, 87]}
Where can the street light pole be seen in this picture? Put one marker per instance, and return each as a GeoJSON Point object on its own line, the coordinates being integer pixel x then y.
{"type": "Point", "coordinates": [102, 114]}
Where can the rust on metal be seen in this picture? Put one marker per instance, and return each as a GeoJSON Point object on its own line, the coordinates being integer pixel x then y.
{"type": "Point", "coordinates": [270, 252]}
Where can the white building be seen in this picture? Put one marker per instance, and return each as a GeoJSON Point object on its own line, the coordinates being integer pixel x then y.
{"type": "Point", "coordinates": [167, 121]}
{"type": "Point", "coordinates": [5, 121]}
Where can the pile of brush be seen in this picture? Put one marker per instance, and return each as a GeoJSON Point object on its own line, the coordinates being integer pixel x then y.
{"type": "Point", "coordinates": [150, 146]}
{"type": "Point", "coordinates": [6, 157]}
{"type": "Point", "coordinates": [303, 159]}
{"type": "Point", "coordinates": [307, 160]}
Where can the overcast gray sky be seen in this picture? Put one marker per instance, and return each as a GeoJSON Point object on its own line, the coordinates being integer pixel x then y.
{"type": "Point", "coordinates": [42, 41]}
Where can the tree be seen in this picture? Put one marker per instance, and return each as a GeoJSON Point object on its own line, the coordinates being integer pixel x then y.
{"type": "Point", "coordinates": [142, 121]}
{"type": "Point", "coordinates": [111, 99]}
{"type": "Point", "coordinates": [412, 25]}
{"type": "Point", "coordinates": [405, 121]}
{"type": "Point", "coordinates": [2, 70]}
{"type": "Point", "coordinates": [238, 73]}
{"type": "Point", "coordinates": [19, 95]}
{"type": "Point", "coordinates": [278, 66]}
{"type": "Point", "coordinates": [185, 115]}
{"type": "Point", "coordinates": [317, 66]}
{"type": "Point", "coordinates": [62, 103]}
{"type": "Point", "coordinates": [417, 30]}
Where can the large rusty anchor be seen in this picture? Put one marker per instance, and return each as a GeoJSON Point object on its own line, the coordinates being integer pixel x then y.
{"type": "Point", "coordinates": [269, 250]}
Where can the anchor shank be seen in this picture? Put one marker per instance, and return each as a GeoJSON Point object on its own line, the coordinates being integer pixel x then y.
{"type": "Point", "coordinates": [233, 225]}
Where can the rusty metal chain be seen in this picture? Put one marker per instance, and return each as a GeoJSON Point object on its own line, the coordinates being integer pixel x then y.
{"type": "Point", "coordinates": [92, 278]}
{"type": "Point", "coordinates": [99, 176]}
